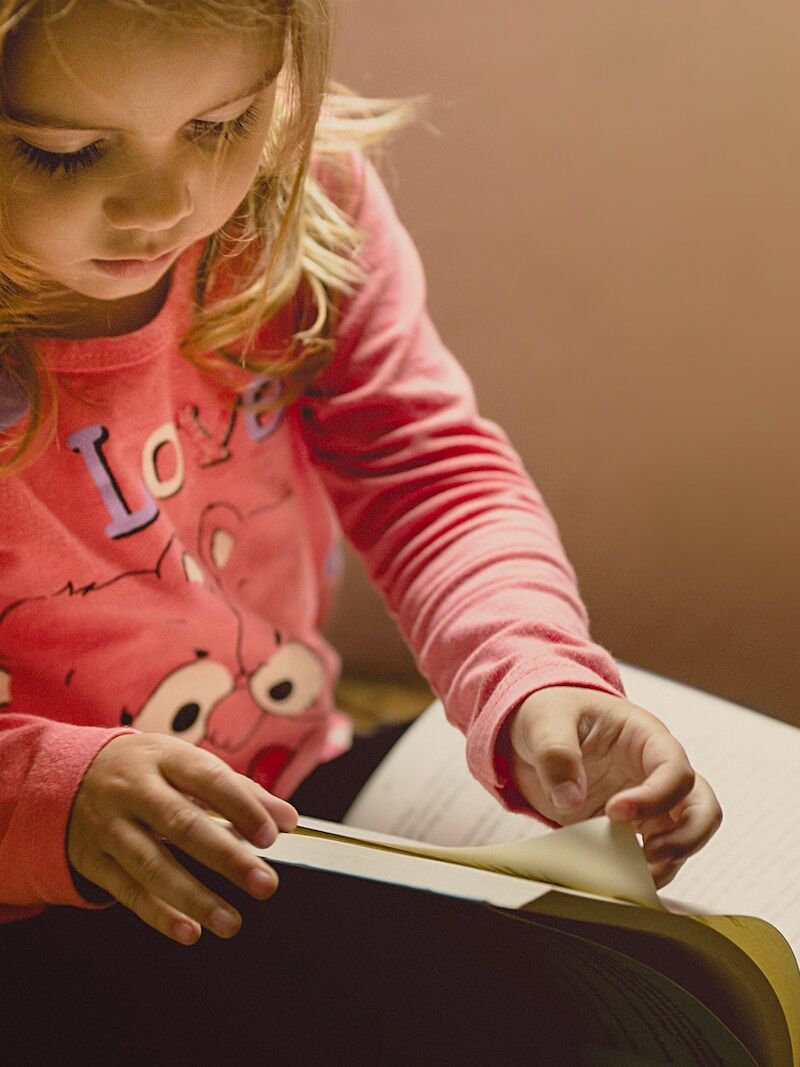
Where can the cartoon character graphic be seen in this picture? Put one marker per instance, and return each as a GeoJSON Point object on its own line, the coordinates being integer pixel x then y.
{"type": "Point", "coordinates": [210, 702]}
{"type": "Point", "coordinates": [165, 649]}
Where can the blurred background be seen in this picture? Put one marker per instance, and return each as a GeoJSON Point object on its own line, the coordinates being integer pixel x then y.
{"type": "Point", "coordinates": [606, 196]}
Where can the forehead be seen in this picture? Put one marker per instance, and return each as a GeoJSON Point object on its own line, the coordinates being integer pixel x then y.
{"type": "Point", "coordinates": [102, 61]}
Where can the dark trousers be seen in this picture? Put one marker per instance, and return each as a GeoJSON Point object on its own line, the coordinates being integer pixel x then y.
{"type": "Point", "coordinates": [331, 970]}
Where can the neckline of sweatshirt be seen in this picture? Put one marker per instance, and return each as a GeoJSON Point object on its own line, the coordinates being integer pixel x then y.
{"type": "Point", "coordinates": [155, 338]}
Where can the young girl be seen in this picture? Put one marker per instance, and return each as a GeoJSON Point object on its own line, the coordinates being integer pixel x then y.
{"type": "Point", "coordinates": [214, 350]}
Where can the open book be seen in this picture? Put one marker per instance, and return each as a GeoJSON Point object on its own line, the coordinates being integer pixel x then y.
{"type": "Point", "coordinates": [671, 981]}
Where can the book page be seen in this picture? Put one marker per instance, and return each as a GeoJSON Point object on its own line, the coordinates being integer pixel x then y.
{"type": "Point", "coordinates": [724, 955]}
{"type": "Point", "coordinates": [596, 856]}
{"type": "Point", "coordinates": [703, 958]}
{"type": "Point", "coordinates": [332, 852]}
{"type": "Point", "coordinates": [423, 791]}
{"type": "Point", "coordinates": [631, 1012]}
{"type": "Point", "coordinates": [752, 865]}
{"type": "Point", "coordinates": [628, 1011]}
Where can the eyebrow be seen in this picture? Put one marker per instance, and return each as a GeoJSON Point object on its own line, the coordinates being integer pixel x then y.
{"type": "Point", "coordinates": [56, 122]}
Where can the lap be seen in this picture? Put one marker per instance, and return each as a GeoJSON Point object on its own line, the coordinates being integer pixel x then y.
{"type": "Point", "coordinates": [332, 968]}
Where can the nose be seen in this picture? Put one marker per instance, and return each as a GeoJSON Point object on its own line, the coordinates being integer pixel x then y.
{"type": "Point", "coordinates": [153, 200]}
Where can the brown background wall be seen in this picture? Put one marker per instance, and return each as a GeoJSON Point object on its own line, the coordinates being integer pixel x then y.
{"type": "Point", "coordinates": [610, 218]}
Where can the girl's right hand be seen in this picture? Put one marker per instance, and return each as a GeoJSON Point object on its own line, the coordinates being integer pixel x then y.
{"type": "Point", "coordinates": [136, 794]}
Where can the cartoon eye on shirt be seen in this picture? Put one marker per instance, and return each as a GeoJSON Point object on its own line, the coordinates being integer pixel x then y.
{"type": "Point", "coordinates": [184, 700]}
{"type": "Point", "coordinates": [289, 683]}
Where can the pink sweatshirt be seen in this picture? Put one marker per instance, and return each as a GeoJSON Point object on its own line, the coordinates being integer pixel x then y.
{"type": "Point", "coordinates": [166, 564]}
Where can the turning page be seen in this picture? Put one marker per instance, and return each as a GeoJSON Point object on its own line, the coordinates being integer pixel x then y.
{"type": "Point", "coordinates": [752, 865]}
{"type": "Point", "coordinates": [423, 791]}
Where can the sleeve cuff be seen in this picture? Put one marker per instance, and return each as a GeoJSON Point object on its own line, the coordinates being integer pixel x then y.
{"type": "Point", "coordinates": [36, 837]}
{"type": "Point", "coordinates": [488, 739]}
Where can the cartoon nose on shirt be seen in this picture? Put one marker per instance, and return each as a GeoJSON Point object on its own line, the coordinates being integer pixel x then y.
{"type": "Point", "coordinates": [203, 699]}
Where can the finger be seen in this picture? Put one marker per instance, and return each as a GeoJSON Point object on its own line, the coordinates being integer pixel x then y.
{"type": "Point", "coordinates": [669, 780]}
{"type": "Point", "coordinates": [548, 741]}
{"type": "Point", "coordinates": [202, 775]}
{"type": "Point", "coordinates": [696, 824]}
{"type": "Point", "coordinates": [658, 825]}
{"type": "Point", "coordinates": [282, 811]}
{"type": "Point", "coordinates": [176, 819]}
{"type": "Point", "coordinates": [155, 873]}
{"type": "Point", "coordinates": [663, 873]}
{"type": "Point", "coordinates": [155, 913]}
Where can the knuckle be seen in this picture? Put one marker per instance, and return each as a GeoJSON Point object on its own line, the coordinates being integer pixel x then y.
{"type": "Point", "coordinates": [148, 868]}
{"type": "Point", "coordinates": [226, 855]}
{"type": "Point", "coordinates": [143, 863]}
{"type": "Point", "coordinates": [249, 821]}
{"type": "Point", "coordinates": [554, 757]}
{"type": "Point", "coordinates": [183, 822]}
{"type": "Point", "coordinates": [135, 899]}
{"type": "Point", "coordinates": [233, 854]}
{"type": "Point", "coordinates": [215, 774]}
{"type": "Point", "coordinates": [149, 796]}
{"type": "Point", "coordinates": [115, 834]}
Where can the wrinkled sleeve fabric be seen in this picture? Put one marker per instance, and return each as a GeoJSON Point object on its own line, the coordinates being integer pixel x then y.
{"type": "Point", "coordinates": [435, 499]}
{"type": "Point", "coordinates": [43, 763]}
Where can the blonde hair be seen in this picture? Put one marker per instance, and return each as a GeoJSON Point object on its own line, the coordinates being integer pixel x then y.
{"type": "Point", "coordinates": [288, 237]}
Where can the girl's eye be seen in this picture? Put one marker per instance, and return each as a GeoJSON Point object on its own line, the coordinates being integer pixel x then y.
{"type": "Point", "coordinates": [230, 131]}
{"type": "Point", "coordinates": [69, 163]}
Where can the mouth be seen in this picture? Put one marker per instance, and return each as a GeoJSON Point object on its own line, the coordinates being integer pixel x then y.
{"type": "Point", "coordinates": [135, 268]}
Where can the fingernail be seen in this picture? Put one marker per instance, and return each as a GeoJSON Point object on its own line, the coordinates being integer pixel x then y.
{"type": "Point", "coordinates": [265, 836]}
{"type": "Point", "coordinates": [288, 821]}
{"type": "Point", "coordinates": [566, 796]}
{"type": "Point", "coordinates": [223, 923]}
{"type": "Point", "coordinates": [260, 883]}
{"type": "Point", "coordinates": [185, 933]}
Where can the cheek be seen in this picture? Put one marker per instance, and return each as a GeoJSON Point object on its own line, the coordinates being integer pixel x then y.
{"type": "Point", "coordinates": [228, 190]}
{"type": "Point", "coordinates": [44, 223]}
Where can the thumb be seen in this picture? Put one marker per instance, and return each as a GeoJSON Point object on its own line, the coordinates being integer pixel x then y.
{"type": "Point", "coordinates": [546, 739]}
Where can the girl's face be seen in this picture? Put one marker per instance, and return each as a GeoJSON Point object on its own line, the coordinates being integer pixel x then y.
{"type": "Point", "coordinates": [126, 142]}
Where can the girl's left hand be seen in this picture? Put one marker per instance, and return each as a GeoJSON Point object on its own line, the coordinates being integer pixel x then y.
{"type": "Point", "coordinates": [577, 753]}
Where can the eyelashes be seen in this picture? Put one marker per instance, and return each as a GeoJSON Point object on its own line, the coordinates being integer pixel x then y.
{"type": "Point", "coordinates": [230, 131]}
{"type": "Point", "coordinates": [50, 162]}
{"type": "Point", "coordinates": [70, 164]}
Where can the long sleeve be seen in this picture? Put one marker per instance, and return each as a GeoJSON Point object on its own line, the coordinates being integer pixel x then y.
{"type": "Point", "coordinates": [43, 763]}
{"type": "Point", "coordinates": [435, 499]}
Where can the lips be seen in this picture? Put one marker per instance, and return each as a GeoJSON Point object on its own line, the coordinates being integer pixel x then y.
{"type": "Point", "coordinates": [131, 268]}
{"type": "Point", "coordinates": [138, 259]}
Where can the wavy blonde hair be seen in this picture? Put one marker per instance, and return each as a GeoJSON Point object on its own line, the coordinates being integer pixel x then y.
{"type": "Point", "coordinates": [288, 237]}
